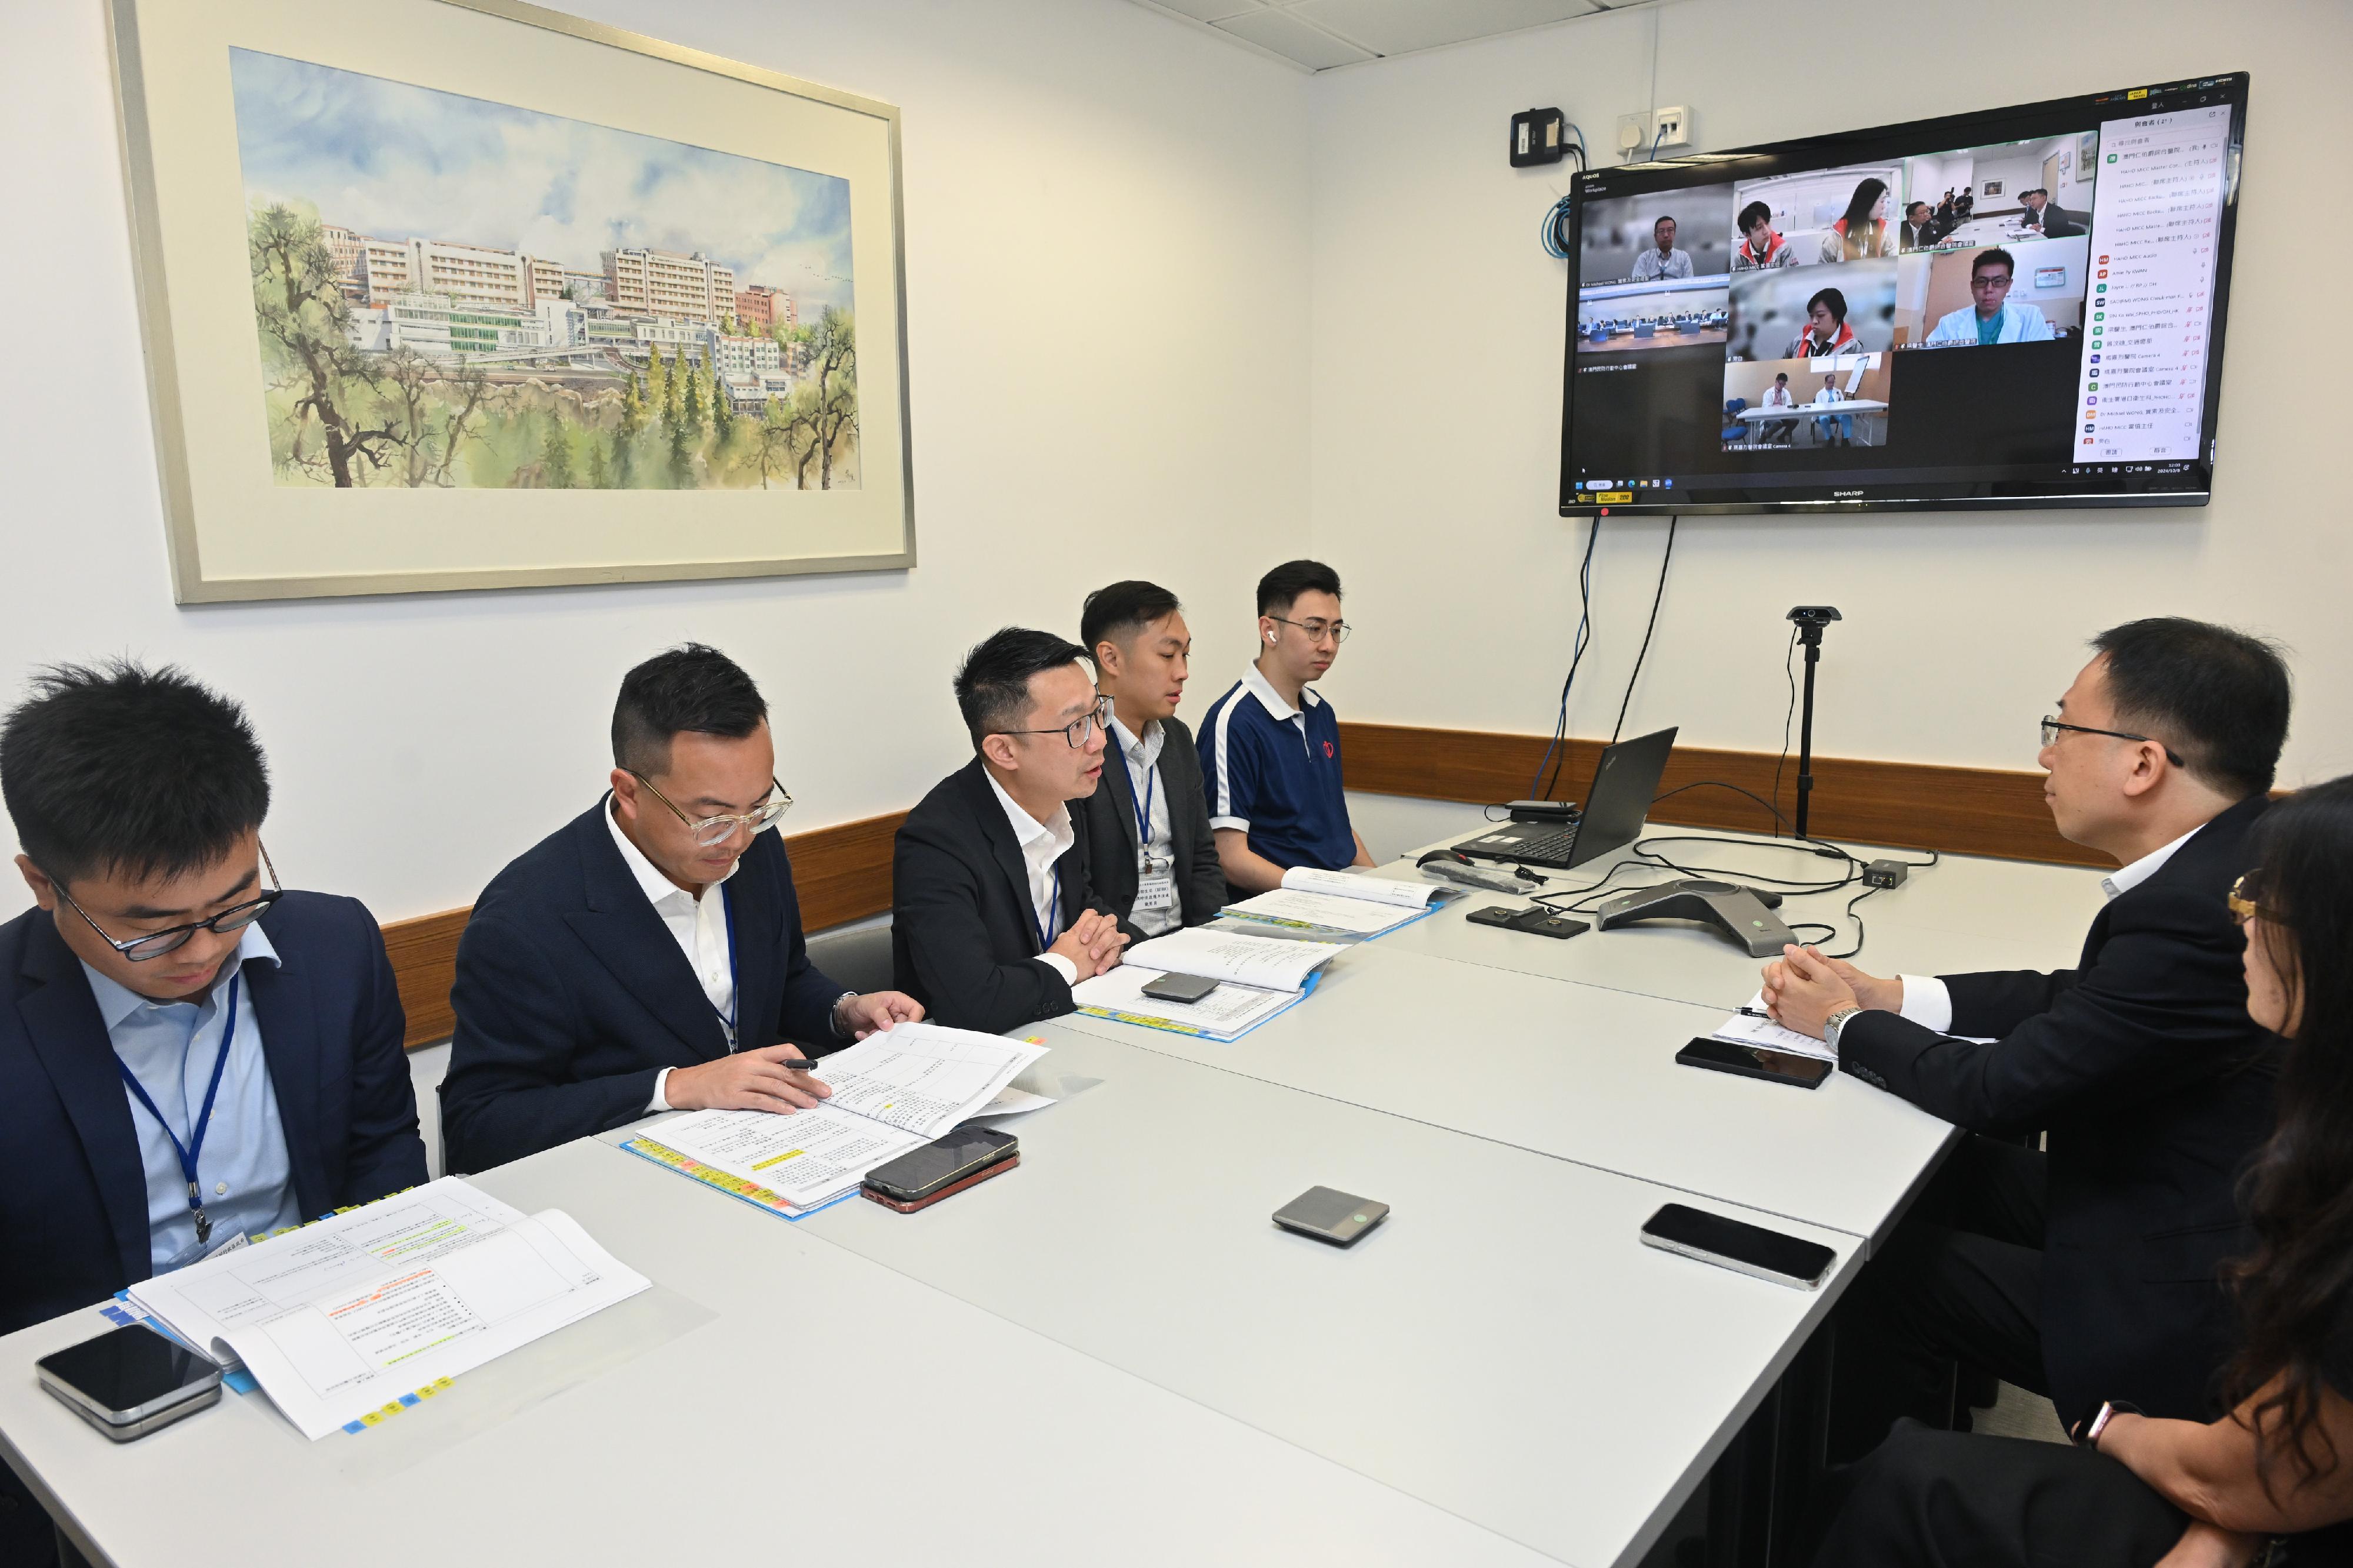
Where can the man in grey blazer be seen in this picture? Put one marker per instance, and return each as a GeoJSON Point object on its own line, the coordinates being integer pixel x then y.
{"type": "Point", "coordinates": [1152, 857]}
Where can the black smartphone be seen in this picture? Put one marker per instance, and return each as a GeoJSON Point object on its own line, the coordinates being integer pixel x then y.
{"type": "Point", "coordinates": [1731, 1244]}
{"type": "Point", "coordinates": [130, 1381]}
{"type": "Point", "coordinates": [920, 1173]}
{"type": "Point", "coordinates": [1502, 915]}
{"type": "Point", "coordinates": [1179, 988]}
{"type": "Point", "coordinates": [1545, 922]}
{"type": "Point", "coordinates": [1755, 1061]}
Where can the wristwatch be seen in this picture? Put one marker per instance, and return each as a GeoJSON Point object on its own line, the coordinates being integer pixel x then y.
{"type": "Point", "coordinates": [833, 1017]}
{"type": "Point", "coordinates": [2087, 1432]}
{"type": "Point", "coordinates": [1835, 1025]}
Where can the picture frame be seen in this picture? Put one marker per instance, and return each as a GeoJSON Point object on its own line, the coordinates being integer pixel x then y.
{"type": "Point", "coordinates": [468, 294]}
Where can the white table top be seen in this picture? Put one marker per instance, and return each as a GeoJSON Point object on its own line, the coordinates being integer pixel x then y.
{"type": "Point", "coordinates": [917, 1427]}
{"type": "Point", "coordinates": [1579, 1073]}
{"type": "Point", "coordinates": [1792, 411]}
{"type": "Point", "coordinates": [1503, 1347]}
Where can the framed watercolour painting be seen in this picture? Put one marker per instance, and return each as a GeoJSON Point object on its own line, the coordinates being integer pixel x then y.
{"type": "Point", "coordinates": [446, 294]}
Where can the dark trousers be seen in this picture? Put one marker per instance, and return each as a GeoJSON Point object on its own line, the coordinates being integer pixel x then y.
{"type": "Point", "coordinates": [1960, 1280]}
{"type": "Point", "coordinates": [27, 1539]}
{"type": "Point", "coordinates": [1951, 1499]}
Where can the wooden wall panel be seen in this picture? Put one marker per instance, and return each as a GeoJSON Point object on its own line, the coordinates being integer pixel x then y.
{"type": "Point", "coordinates": [842, 873]}
{"type": "Point", "coordinates": [1966, 811]}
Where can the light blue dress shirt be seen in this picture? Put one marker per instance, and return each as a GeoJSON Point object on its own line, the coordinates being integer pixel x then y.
{"type": "Point", "coordinates": [244, 1176]}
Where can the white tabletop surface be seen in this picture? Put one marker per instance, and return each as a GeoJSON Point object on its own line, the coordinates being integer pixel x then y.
{"type": "Point", "coordinates": [900, 1425]}
{"type": "Point", "coordinates": [1579, 1073]}
{"type": "Point", "coordinates": [1503, 1346]}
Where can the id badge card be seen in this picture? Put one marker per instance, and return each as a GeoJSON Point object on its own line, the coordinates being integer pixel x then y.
{"type": "Point", "coordinates": [1155, 894]}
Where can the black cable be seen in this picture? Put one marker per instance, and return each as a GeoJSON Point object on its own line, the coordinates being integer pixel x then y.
{"type": "Point", "coordinates": [1650, 626]}
{"type": "Point", "coordinates": [1789, 673]}
{"type": "Point", "coordinates": [1577, 656]}
{"type": "Point", "coordinates": [1857, 919]}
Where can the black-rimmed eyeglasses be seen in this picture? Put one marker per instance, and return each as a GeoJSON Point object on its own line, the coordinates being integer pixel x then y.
{"type": "Point", "coordinates": [2053, 728]}
{"type": "Point", "coordinates": [156, 944]}
{"type": "Point", "coordinates": [708, 831]}
{"type": "Point", "coordinates": [1077, 731]}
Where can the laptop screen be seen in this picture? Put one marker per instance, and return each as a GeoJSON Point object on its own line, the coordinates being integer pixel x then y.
{"type": "Point", "coordinates": [1625, 782]}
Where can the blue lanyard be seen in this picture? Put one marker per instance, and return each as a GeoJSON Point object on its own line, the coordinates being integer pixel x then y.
{"type": "Point", "coordinates": [188, 1152]}
{"type": "Point", "coordinates": [1053, 926]}
{"type": "Point", "coordinates": [734, 982]}
{"type": "Point", "coordinates": [1143, 812]}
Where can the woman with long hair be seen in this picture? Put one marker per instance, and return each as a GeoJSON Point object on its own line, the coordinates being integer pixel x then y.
{"type": "Point", "coordinates": [1863, 232]}
{"type": "Point", "coordinates": [2184, 1494]}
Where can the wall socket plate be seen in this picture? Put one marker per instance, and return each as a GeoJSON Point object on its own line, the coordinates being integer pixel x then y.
{"type": "Point", "coordinates": [1671, 127]}
{"type": "Point", "coordinates": [1633, 133]}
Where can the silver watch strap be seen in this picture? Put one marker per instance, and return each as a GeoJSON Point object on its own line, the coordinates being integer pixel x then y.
{"type": "Point", "coordinates": [1835, 1025]}
{"type": "Point", "coordinates": [833, 1015]}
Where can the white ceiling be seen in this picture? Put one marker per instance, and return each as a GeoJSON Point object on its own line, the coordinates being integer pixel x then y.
{"type": "Point", "coordinates": [1320, 33]}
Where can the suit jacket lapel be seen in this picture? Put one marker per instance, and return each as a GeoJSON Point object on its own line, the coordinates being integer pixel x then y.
{"type": "Point", "coordinates": [622, 929]}
{"type": "Point", "coordinates": [1004, 847]}
{"type": "Point", "coordinates": [1121, 785]}
{"type": "Point", "coordinates": [758, 943]}
{"type": "Point", "coordinates": [62, 1022]}
{"type": "Point", "coordinates": [286, 1012]}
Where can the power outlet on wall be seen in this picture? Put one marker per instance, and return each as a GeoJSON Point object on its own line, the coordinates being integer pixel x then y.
{"type": "Point", "coordinates": [1633, 134]}
{"type": "Point", "coordinates": [1671, 127]}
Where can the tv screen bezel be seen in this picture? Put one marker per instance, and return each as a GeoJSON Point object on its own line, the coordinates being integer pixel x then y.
{"type": "Point", "coordinates": [2019, 123]}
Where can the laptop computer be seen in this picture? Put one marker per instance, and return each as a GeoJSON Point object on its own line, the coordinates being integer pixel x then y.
{"type": "Point", "coordinates": [1625, 782]}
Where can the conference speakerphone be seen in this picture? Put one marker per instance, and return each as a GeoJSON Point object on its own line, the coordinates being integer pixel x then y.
{"type": "Point", "coordinates": [1625, 782]}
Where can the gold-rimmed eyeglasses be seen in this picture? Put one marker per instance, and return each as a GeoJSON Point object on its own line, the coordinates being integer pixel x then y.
{"type": "Point", "coordinates": [2245, 899]}
{"type": "Point", "coordinates": [708, 831]}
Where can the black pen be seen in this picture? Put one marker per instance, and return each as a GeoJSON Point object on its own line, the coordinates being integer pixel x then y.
{"type": "Point", "coordinates": [1754, 1013]}
{"type": "Point", "coordinates": [800, 1064]}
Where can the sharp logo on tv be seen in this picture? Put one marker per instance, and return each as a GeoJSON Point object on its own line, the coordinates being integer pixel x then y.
{"type": "Point", "coordinates": [1932, 309]}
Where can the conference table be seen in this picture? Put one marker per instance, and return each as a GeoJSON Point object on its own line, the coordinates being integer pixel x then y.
{"type": "Point", "coordinates": [1110, 1354]}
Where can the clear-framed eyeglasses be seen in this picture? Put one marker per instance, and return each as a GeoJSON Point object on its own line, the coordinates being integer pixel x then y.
{"type": "Point", "coordinates": [708, 831]}
{"type": "Point", "coordinates": [1318, 630]}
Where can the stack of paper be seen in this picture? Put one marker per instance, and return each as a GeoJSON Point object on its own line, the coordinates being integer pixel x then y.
{"type": "Point", "coordinates": [891, 1093]}
{"type": "Point", "coordinates": [1750, 1026]}
{"type": "Point", "coordinates": [1270, 964]}
{"type": "Point", "coordinates": [1259, 977]}
{"type": "Point", "coordinates": [341, 1318]}
{"type": "Point", "coordinates": [1340, 904]}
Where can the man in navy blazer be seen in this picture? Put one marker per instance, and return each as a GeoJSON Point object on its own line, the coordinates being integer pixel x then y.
{"type": "Point", "coordinates": [648, 955]}
{"type": "Point", "coordinates": [160, 973]}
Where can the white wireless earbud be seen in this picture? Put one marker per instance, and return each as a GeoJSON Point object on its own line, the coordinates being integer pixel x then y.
{"type": "Point", "coordinates": [1270, 636]}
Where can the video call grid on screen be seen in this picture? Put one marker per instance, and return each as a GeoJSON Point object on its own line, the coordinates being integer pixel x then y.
{"type": "Point", "coordinates": [2017, 308]}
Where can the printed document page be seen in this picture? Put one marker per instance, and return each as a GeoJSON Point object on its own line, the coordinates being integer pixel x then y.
{"type": "Point", "coordinates": [1741, 1029]}
{"type": "Point", "coordinates": [1324, 911]}
{"type": "Point", "coordinates": [924, 1078]}
{"type": "Point", "coordinates": [1224, 1013]}
{"type": "Point", "coordinates": [1347, 885]}
{"type": "Point", "coordinates": [809, 1158]}
{"type": "Point", "coordinates": [1269, 962]}
{"type": "Point", "coordinates": [343, 1317]}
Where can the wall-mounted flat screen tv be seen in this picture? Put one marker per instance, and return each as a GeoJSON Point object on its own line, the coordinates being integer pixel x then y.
{"type": "Point", "coordinates": [2022, 308]}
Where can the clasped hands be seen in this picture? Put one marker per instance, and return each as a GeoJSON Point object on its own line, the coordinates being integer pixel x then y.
{"type": "Point", "coordinates": [1092, 944]}
{"type": "Point", "coordinates": [1802, 988]}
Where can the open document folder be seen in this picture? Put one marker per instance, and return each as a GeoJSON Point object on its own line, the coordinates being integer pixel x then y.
{"type": "Point", "coordinates": [1341, 904]}
{"type": "Point", "coordinates": [341, 1318]}
{"type": "Point", "coordinates": [1258, 977]}
{"type": "Point", "coordinates": [891, 1093]}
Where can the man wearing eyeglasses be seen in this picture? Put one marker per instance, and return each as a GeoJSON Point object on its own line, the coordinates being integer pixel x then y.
{"type": "Point", "coordinates": [1270, 747]}
{"type": "Point", "coordinates": [189, 1056]}
{"type": "Point", "coordinates": [992, 919]}
{"type": "Point", "coordinates": [647, 956]}
{"type": "Point", "coordinates": [2087, 1270]}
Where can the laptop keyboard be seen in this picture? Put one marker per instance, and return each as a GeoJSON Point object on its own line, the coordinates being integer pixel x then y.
{"type": "Point", "coordinates": [1539, 842]}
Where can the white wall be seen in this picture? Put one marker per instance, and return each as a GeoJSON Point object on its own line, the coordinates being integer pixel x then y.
{"type": "Point", "coordinates": [1107, 274]}
{"type": "Point", "coordinates": [1437, 371]}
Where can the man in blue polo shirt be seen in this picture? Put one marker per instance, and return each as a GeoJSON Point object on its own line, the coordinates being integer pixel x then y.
{"type": "Point", "coordinates": [1271, 748]}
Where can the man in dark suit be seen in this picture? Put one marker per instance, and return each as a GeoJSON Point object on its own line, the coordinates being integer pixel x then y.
{"type": "Point", "coordinates": [161, 975]}
{"type": "Point", "coordinates": [1153, 858]}
{"type": "Point", "coordinates": [2090, 1271]}
{"type": "Point", "coordinates": [2048, 218]}
{"type": "Point", "coordinates": [648, 955]}
{"type": "Point", "coordinates": [1920, 230]}
{"type": "Point", "coordinates": [992, 920]}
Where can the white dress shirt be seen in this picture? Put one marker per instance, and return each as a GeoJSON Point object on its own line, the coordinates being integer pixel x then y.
{"type": "Point", "coordinates": [700, 927]}
{"type": "Point", "coordinates": [245, 1177]}
{"type": "Point", "coordinates": [1158, 849]}
{"type": "Point", "coordinates": [1927, 1001]}
{"type": "Point", "coordinates": [1043, 844]}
